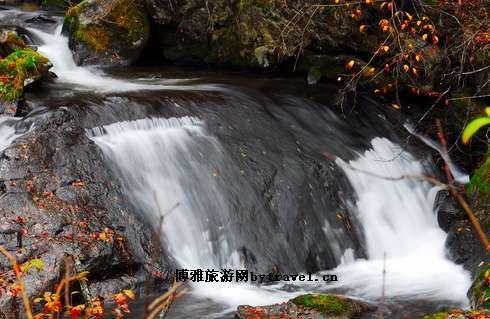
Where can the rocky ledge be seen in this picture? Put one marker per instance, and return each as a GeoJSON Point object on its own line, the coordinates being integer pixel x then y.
{"type": "Point", "coordinates": [309, 306]}
{"type": "Point", "coordinates": [58, 201]}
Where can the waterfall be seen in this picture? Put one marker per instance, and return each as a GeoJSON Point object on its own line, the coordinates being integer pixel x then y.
{"type": "Point", "coordinates": [161, 163]}
{"type": "Point", "coordinates": [7, 132]}
{"type": "Point", "coordinates": [170, 167]}
{"type": "Point", "coordinates": [398, 220]}
{"type": "Point", "coordinates": [164, 158]}
{"type": "Point", "coordinates": [55, 47]}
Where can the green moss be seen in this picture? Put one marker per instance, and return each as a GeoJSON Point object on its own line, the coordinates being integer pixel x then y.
{"type": "Point", "coordinates": [12, 40]}
{"type": "Point", "coordinates": [438, 315]}
{"type": "Point", "coordinates": [325, 304]}
{"type": "Point", "coordinates": [126, 17]}
{"type": "Point", "coordinates": [18, 67]}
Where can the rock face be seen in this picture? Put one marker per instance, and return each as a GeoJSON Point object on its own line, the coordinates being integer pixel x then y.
{"type": "Point", "coordinates": [310, 306]}
{"type": "Point", "coordinates": [109, 32]}
{"type": "Point", "coordinates": [56, 201]}
{"type": "Point", "coordinates": [20, 67]}
{"type": "Point", "coordinates": [254, 33]}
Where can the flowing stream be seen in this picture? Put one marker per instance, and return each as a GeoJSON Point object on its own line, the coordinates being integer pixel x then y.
{"type": "Point", "coordinates": [177, 168]}
{"type": "Point", "coordinates": [7, 132]}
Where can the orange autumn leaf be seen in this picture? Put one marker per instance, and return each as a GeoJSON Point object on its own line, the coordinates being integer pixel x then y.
{"type": "Point", "coordinates": [350, 65]}
{"type": "Point", "coordinates": [76, 311]}
{"type": "Point", "coordinates": [120, 298]}
{"type": "Point", "coordinates": [130, 293]}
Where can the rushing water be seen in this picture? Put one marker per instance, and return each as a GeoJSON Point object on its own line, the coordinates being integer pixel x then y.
{"type": "Point", "coordinates": [165, 157]}
{"type": "Point", "coordinates": [55, 47]}
{"type": "Point", "coordinates": [399, 222]}
{"type": "Point", "coordinates": [7, 132]}
{"type": "Point", "coordinates": [175, 168]}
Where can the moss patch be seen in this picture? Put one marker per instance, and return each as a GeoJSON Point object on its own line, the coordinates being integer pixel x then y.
{"type": "Point", "coordinates": [107, 31]}
{"type": "Point", "coordinates": [437, 315]}
{"type": "Point", "coordinates": [15, 69]}
{"type": "Point", "coordinates": [325, 304]}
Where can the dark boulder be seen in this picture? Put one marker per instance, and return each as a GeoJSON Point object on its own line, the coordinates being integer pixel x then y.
{"type": "Point", "coordinates": [252, 34]}
{"type": "Point", "coordinates": [58, 200]}
{"type": "Point", "coordinates": [108, 33]}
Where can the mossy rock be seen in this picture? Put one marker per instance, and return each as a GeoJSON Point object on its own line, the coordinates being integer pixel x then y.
{"type": "Point", "coordinates": [10, 41]}
{"type": "Point", "coordinates": [458, 314]}
{"type": "Point", "coordinates": [18, 70]}
{"type": "Point", "coordinates": [252, 34]}
{"type": "Point", "coordinates": [107, 33]}
{"type": "Point", "coordinates": [319, 306]}
{"type": "Point", "coordinates": [325, 304]}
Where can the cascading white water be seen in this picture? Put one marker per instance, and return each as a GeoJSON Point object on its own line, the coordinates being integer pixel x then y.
{"type": "Point", "coordinates": [167, 162]}
{"type": "Point", "coordinates": [398, 220]}
{"type": "Point", "coordinates": [154, 159]}
{"type": "Point", "coordinates": [55, 47]}
{"type": "Point", "coordinates": [7, 132]}
{"type": "Point", "coordinates": [165, 157]}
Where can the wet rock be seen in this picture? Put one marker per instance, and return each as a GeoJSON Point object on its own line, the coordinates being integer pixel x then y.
{"type": "Point", "coordinates": [310, 306]}
{"type": "Point", "coordinates": [250, 34]}
{"type": "Point", "coordinates": [41, 19]}
{"type": "Point", "coordinates": [21, 66]}
{"type": "Point", "coordinates": [107, 33]}
{"type": "Point", "coordinates": [67, 205]}
{"type": "Point", "coordinates": [448, 210]}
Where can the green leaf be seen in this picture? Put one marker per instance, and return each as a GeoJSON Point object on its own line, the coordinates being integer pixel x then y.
{"type": "Point", "coordinates": [474, 126]}
{"type": "Point", "coordinates": [33, 263]}
{"type": "Point", "coordinates": [37, 263]}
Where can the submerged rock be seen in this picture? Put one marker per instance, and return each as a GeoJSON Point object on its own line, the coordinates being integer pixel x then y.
{"type": "Point", "coordinates": [309, 306]}
{"type": "Point", "coordinates": [107, 33]}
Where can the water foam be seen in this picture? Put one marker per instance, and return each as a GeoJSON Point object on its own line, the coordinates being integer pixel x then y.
{"type": "Point", "coordinates": [398, 220]}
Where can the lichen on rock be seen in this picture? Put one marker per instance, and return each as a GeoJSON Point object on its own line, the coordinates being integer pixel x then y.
{"type": "Point", "coordinates": [107, 32]}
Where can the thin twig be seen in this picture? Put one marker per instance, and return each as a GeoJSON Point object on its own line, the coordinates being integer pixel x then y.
{"type": "Point", "coordinates": [20, 281]}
